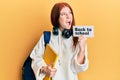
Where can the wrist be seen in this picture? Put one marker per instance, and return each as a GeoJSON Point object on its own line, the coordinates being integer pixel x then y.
{"type": "Point", "coordinates": [81, 57]}
{"type": "Point", "coordinates": [82, 51]}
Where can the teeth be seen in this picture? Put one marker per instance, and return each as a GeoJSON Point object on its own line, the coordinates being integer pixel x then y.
{"type": "Point", "coordinates": [68, 22]}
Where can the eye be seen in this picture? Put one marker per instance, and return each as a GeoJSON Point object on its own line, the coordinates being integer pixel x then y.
{"type": "Point", "coordinates": [63, 14]}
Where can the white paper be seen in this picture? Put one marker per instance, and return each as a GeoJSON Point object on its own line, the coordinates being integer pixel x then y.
{"type": "Point", "coordinates": [88, 31]}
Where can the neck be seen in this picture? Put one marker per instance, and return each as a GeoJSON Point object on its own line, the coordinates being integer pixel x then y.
{"type": "Point", "coordinates": [61, 29]}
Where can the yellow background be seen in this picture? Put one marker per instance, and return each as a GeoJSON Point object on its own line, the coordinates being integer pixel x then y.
{"type": "Point", "coordinates": [22, 23]}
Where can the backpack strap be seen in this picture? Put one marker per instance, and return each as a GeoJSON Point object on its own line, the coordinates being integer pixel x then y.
{"type": "Point", "coordinates": [47, 35]}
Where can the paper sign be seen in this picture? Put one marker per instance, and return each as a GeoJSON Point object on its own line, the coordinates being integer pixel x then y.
{"type": "Point", "coordinates": [88, 31]}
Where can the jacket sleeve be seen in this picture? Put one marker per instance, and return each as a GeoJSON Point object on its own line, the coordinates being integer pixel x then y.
{"type": "Point", "coordinates": [37, 58]}
{"type": "Point", "coordinates": [77, 67]}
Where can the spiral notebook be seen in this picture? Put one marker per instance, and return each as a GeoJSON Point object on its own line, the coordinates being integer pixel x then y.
{"type": "Point", "coordinates": [50, 56]}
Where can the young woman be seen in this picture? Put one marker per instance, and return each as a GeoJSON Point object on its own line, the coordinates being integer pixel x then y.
{"type": "Point", "coordinates": [72, 51]}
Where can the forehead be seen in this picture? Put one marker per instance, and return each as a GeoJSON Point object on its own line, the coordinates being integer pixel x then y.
{"type": "Point", "coordinates": [65, 9]}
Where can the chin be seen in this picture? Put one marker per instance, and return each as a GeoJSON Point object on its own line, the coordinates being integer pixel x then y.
{"type": "Point", "coordinates": [68, 27]}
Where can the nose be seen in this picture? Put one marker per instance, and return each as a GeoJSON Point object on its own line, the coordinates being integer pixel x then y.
{"type": "Point", "coordinates": [67, 15]}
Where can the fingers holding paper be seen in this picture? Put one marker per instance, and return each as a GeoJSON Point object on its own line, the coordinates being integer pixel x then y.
{"type": "Point", "coordinates": [82, 42]}
{"type": "Point", "coordinates": [49, 70]}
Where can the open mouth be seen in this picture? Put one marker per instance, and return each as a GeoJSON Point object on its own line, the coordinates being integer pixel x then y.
{"type": "Point", "coordinates": [68, 23]}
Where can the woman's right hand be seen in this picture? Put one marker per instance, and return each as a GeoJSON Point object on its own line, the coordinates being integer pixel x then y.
{"type": "Point", "coordinates": [49, 70]}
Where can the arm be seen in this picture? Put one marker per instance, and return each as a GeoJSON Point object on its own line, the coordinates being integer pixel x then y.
{"type": "Point", "coordinates": [37, 58]}
{"type": "Point", "coordinates": [38, 65]}
{"type": "Point", "coordinates": [80, 60]}
{"type": "Point", "coordinates": [82, 46]}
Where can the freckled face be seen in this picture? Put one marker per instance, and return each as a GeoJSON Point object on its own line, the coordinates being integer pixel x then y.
{"type": "Point", "coordinates": [65, 18]}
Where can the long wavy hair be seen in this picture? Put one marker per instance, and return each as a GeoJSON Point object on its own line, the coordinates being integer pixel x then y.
{"type": "Point", "coordinates": [55, 14]}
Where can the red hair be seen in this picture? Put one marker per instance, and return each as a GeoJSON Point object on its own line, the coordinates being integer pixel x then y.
{"type": "Point", "coordinates": [55, 14]}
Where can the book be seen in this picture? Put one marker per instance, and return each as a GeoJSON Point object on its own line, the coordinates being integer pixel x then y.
{"type": "Point", "coordinates": [50, 56]}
